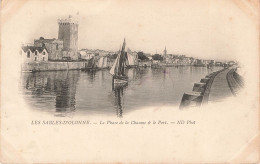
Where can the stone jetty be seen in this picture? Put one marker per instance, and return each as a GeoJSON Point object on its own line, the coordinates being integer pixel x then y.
{"type": "Point", "coordinates": [214, 87]}
{"type": "Point", "coordinates": [226, 84]}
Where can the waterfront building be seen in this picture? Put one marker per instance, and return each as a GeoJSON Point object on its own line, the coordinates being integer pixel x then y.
{"type": "Point", "coordinates": [85, 55]}
{"type": "Point", "coordinates": [150, 58]}
{"type": "Point", "coordinates": [31, 54]}
{"type": "Point", "coordinates": [53, 46]}
{"type": "Point", "coordinates": [231, 63]}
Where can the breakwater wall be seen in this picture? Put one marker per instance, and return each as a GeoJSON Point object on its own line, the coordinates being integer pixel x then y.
{"type": "Point", "coordinates": [53, 66]}
{"type": "Point", "coordinates": [235, 81]}
{"type": "Point", "coordinates": [200, 92]}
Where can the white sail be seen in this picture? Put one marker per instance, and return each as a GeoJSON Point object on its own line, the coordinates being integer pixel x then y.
{"type": "Point", "coordinates": [105, 62]}
{"type": "Point", "coordinates": [130, 58]}
{"type": "Point", "coordinates": [100, 62]}
{"type": "Point", "coordinates": [113, 69]}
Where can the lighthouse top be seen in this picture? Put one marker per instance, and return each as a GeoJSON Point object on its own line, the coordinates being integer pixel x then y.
{"type": "Point", "coordinates": [69, 20]}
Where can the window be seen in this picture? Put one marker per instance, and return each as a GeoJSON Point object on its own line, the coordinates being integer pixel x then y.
{"type": "Point", "coordinates": [43, 53]}
{"type": "Point", "coordinates": [28, 54]}
{"type": "Point", "coordinates": [35, 59]}
{"type": "Point", "coordinates": [43, 59]}
{"type": "Point", "coordinates": [36, 52]}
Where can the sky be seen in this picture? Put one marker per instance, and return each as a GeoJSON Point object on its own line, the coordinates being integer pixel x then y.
{"type": "Point", "coordinates": [206, 29]}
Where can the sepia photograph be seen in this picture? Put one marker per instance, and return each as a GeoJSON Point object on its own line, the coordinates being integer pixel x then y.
{"type": "Point", "coordinates": [127, 81]}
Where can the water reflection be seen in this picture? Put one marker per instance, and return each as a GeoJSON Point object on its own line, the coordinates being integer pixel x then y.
{"type": "Point", "coordinates": [118, 94]}
{"type": "Point", "coordinates": [65, 89]}
{"type": "Point", "coordinates": [59, 85]}
{"type": "Point", "coordinates": [91, 92]}
{"type": "Point", "coordinates": [91, 75]}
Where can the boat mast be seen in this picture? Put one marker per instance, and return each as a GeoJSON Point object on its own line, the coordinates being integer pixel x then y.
{"type": "Point", "coordinates": [122, 60]}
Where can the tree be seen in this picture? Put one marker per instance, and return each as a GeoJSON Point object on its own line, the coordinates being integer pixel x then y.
{"type": "Point", "coordinates": [141, 56]}
{"type": "Point", "coordinates": [157, 57]}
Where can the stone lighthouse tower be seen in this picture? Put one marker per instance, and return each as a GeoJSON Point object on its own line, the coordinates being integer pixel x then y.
{"type": "Point", "coordinates": [68, 33]}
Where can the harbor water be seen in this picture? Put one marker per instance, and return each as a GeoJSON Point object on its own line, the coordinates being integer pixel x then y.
{"type": "Point", "coordinates": [61, 93]}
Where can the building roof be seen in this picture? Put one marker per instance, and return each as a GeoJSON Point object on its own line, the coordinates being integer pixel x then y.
{"type": "Point", "coordinates": [43, 40]}
{"type": "Point", "coordinates": [33, 48]}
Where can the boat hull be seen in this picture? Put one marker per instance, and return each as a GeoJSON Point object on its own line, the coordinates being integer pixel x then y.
{"type": "Point", "coordinates": [119, 82]}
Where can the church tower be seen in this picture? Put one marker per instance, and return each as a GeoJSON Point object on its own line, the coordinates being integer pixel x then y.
{"type": "Point", "coordinates": [68, 33]}
{"type": "Point", "coordinates": [164, 54]}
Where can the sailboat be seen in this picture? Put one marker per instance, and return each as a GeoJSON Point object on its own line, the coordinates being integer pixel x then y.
{"type": "Point", "coordinates": [118, 69]}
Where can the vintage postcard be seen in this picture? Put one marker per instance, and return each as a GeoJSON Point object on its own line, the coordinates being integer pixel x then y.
{"type": "Point", "coordinates": [129, 81]}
